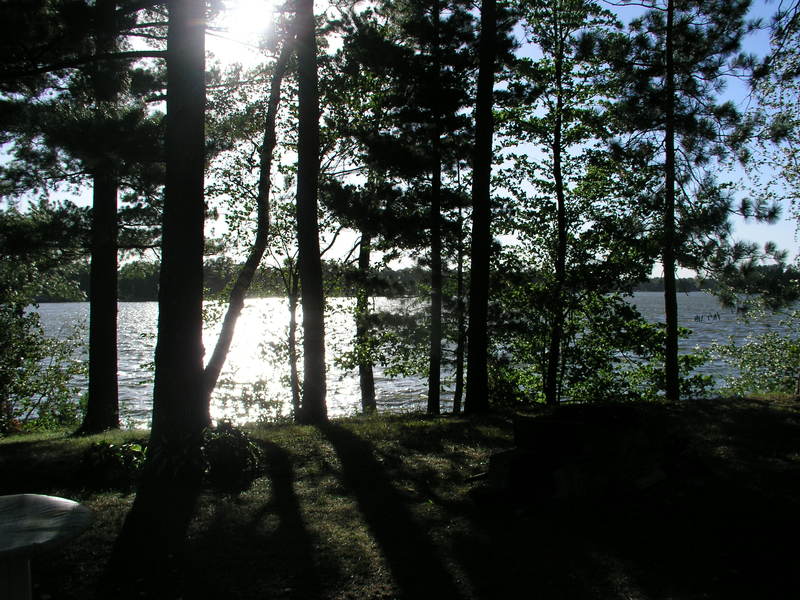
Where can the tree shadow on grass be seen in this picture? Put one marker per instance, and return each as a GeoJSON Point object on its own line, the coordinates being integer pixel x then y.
{"type": "Point", "coordinates": [729, 528]}
{"type": "Point", "coordinates": [243, 554]}
{"type": "Point", "coordinates": [40, 468]}
{"type": "Point", "coordinates": [415, 562]}
{"type": "Point", "coordinates": [149, 556]}
{"type": "Point", "coordinates": [723, 524]}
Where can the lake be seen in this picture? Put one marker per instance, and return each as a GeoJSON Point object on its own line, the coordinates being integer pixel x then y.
{"type": "Point", "coordinates": [256, 371]}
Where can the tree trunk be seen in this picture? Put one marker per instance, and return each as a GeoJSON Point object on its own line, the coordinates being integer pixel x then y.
{"type": "Point", "coordinates": [313, 409]}
{"type": "Point", "coordinates": [671, 372]}
{"type": "Point", "coordinates": [180, 408]}
{"type": "Point", "coordinates": [435, 354]}
{"type": "Point", "coordinates": [294, 376]}
{"type": "Point", "coordinates": [435, 360]}
{"type": "Point", "coordinates": [102, 409]}
{"type": "Point", "coordinates": [458, 392]}
{"type": "Point", "coordinates": [150, 546]}
{"type": "Point", "coordinates": [365, 375]}
{"type": "Point", "coordinates": [557, 329]}
{"type": "Point", "coordinates": [248, 270]}
{"type": "Point", "coordinates": [477, 398]}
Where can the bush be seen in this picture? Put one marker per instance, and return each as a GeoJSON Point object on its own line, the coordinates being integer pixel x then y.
{"type": "Point", "coordinates": [113, 466]}
{"type": "Point", "coordinates": [232, 459]}
{"type": "Point", "coordinates": [764, 363]}
{"type": "Point", "coordinates": [36, 375]}
{"type": "Point", "coordinates": [229, 460]}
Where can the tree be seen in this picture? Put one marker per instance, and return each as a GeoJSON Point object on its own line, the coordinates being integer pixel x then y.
{"type": "Point", "coordinates": [477, 399]}
{"type": "Point", "coordinates": [179, 405]}
{"type": "Point", "coordinates": [308, 151]}
{"type": "Point", "coordinates": [769, 135]}
{"type": "Point", "coordinates": [365, 374]}
{"type": "Point", "coordinates": [75, 118]}
{"type": "Point", "coordinates": [555, 103]}
{"type": "Point", "coordinates": [40, 250]}
{"type": "Point", "coordinates": [355, 97]}
{"type": "Point", "coordinates": [102, 409]}
{"type": "Point", "coordinates": [155, 529]}
{"type": "Point", "coordinates": [416, 56]}
{"type": "Point", "coordinates": [678, 55]}
{"type": "Point", "coordinates": [245, 276]}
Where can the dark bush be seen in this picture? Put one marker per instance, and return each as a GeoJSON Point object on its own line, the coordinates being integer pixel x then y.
{"type": "Point", "coordinates": [112, 466]}
{"type": "Point", "coordinates": [232, 459]}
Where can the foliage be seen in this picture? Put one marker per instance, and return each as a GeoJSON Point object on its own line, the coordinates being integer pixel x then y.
{"type": "Point", "coordinates": [37, 373]}
{"type": "Point", "coordinates": [228, 459]}
{"type": "Point", "coordinates": [113, 466]}
{"type": "Point", "coordinates": [610, 353]}
{"type": "Point", "coordinates": [764, 363]}
{"type": "Point", "coordinates": [770, 135]}
{"type": "Point", "coordinates": [232, 460]}
{"type": "Point", "coordinates": [37, 389]}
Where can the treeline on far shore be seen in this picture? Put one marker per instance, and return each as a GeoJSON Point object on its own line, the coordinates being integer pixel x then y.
{"type": "Point", "coordinates": [138, 281]}
{"type": "Point", "coordinates": [683, 285]}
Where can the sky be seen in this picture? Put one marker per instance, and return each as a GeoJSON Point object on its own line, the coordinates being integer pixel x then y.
{"type": "Point", "coordinates": [783, 233]}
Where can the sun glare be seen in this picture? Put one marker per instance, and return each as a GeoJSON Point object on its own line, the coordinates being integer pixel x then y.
{"type": "Point", "coordinates": [240, 28]}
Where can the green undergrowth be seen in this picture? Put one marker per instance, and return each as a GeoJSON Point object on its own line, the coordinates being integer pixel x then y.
{"type": "Point", "coordinates": [399, 507]}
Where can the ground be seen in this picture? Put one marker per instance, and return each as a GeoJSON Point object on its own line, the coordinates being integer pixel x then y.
{"type": "Point", "coordinates": [398, 507]}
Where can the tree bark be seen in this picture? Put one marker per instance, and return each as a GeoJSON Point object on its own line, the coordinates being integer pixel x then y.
{"type": "Point", "coordinates": [458, 392]}
{"type": "Point", "coordinates": [313, 410]}
{"type": "Point", "coordinates": [245, 276]}
{"type": "Point", "coordinates": [102, 409]}
{"type": "Point", "coordinates": [179, 403]}
{"type": "Point", "coordinates": [671, 370]}
{"type": "Point", "coordinates": [435, 354]}
{"type": "Point", "coordinates": [150, 546]}
{"type": "Point", "coordinates": [294, 376]}
{"type": "Point", "coordinates": [477, 397]}
{"type": "Point", "coordinates": [365, 374]}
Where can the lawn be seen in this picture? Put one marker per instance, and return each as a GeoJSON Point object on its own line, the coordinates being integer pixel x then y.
{"type": "Point", "coordinates": [397, 507]}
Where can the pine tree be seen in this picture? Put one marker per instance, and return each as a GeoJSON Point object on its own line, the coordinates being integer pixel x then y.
{"type": "Point", "coordinates": [102, 408]}
{"type": "Point", "coordinates": [679, 52]}
{"type": "Point", "coordinates": [179, 402]}
{"type": "Point", "coordinates": [313, 409]}
{"type": "Point", "coordinates": [477, 399]}
{"type": "Point", "coordinates": [77, 119]}
{"type": "Point", "coordinates": [418, 55]}
{"type": "Point", "coordinates": [154, 530]}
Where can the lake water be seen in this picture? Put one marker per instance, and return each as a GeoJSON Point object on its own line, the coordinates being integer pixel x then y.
{"type": "Point", "coordinates": [256, 370]}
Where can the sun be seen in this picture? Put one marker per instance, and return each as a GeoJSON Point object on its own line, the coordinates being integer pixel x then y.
{"type": "Point", "coordinates": [248, 20]}
{"type": "Point", "coordinates": [240, 28]}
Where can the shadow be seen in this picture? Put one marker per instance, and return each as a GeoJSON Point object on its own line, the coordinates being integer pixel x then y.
{"type": "Point", "coordinates": [53, 466]}
{"type": "Point", "coordinates": [722, 524]}
{"type": "Point", "coordinates": [542, 554]}
{"type": "Point", "coordinates": [729, 529]}
{"type": "Point", "coordinates": [39, 467]}
{"type": "Point", "coordinates": [149, 556]}
{"type": "Point", "coordinates": [415, 562]}
{"type": "Point", "coordinates": [242, 554]}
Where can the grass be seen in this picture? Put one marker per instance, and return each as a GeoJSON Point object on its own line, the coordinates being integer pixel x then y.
{"type": "Point", "coordinates": [389, 507]}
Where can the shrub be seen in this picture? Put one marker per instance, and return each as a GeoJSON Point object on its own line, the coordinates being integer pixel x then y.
{"type": "Point", "coordinates": [232, 459]}
{"type": "Point", "coordinates": [113, 466]}
{"type": "Point", "coordinates": [37, 391]}
{"type": "Point", "coordinates": [764, 363]}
